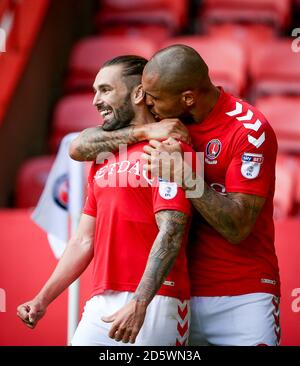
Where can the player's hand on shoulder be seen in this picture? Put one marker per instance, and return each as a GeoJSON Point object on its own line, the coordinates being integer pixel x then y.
{"type": "Point", "coordinates": [169, 127]}
{"type": "Point", "coordinates": [164, 159]}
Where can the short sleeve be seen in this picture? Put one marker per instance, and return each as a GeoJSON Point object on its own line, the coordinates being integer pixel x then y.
{"type": "Point", "coordinates": [168, 196]}
{"type": "Point", "coordinates": [252, 168]}
{"type": "Point", "coordinates": [90, 206]}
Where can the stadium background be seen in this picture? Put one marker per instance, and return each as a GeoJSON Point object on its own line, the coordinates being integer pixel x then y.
{"type": "Point", "coordinates": [53, 50]}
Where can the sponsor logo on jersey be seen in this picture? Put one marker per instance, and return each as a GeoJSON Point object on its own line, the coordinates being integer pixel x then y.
{"type": "Point", "coordinates": [251, 165]}
{"type": "Point", "coordinates": [256, 158]}
{"type": "Point", "coordinates": [213, 149]}
{"type": "Point", "coordinates": [60, 191]}
{"type": "Point", "coordinates": [167, 190]}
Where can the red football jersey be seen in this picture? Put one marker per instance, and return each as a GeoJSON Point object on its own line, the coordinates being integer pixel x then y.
{"type": "Point", "coordinates": [126, 226]}
{"type": "Point", "coordinates": [240, 152]}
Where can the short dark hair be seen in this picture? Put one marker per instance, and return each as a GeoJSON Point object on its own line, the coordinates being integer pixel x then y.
{"type": "Point", "coordinates": [132, 64]}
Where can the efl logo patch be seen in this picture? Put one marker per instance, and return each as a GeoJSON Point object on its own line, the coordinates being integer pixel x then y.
{"type": "Point", "coordinates": [251, 165]}
{"type": "Point", "coordinates": [167, 190]}
{"type": "Point", "coordinates": [213, 149]}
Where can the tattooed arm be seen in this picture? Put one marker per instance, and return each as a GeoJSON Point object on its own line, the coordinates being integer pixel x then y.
{"type": "Point", "coordinates": [93, 141]}
{"type": "Point", "coordinates": [233, 216]}
{"type": "Point", "coordinates": [164, 251]}
{"type": "Point", "coordinates": [128, 321]}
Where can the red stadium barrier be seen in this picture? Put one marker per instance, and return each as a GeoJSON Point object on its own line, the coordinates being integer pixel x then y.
{"type": "Point", "coordinates": [288, 252]}
{"type": "Point", "coordinates": [27, 262]}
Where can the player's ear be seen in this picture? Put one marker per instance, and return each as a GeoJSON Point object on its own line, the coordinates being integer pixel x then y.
{"type": "Point", "coordinates": [138, 94]}
{"type": "Point", "coordinates": [188, 98]}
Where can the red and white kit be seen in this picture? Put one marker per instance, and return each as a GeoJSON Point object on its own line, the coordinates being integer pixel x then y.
{"type": "Point", "coordinates": [124, 202]}
{"type": "Point", "coordinates": [240, 152]}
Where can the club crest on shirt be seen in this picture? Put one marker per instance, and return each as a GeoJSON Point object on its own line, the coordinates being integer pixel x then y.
{"type": "Point", "coordinates": [167, 190]}
{"type": "Point", "coordinates": [251, 165]}
{"type": "Point", "coordinates": [212, 151]}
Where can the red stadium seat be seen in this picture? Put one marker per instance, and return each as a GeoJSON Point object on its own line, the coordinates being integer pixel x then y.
{"type": "Point", "coordinates": [248, 35]}
{"type": "Point", "coordinates": [89, 54]}
{"type": "Point", "coordinates": [275, 12]}
{"type": "Point", "coordinates": [275, 69]}
{"type": "Point", "coordinates": [172, 13]}
{"type": "Point", "coordinates": [159, 33]}
{"type": "Point", "coordinates": [229, 70]}
{"type": "Point", "coordinates": [73, 113]}
{"type": "Point", "coordinates": [284, 115]}
{"type": "Point", "coordinates": [31, 180]}
{"type": "Point", "coordinates": [285, 186]}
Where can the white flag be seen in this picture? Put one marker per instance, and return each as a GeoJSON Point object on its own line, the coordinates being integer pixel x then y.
{"type": "Point", "coordinates": [60, 195]}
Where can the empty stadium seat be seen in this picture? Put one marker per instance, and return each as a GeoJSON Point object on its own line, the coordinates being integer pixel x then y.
{"type": "Point", "coordinates": [248, 35]}
{"type": "Point", "coordinates": [172, 13]}
{"type": "Point", "coordinates": [225, 59]}
{"type": "Point", "coordinates": [275, 69]}
{"type": "Point", "coordinates": [73, 113]}
{"type": "Point", "coordinates": [275, 12]}
{"type": "Point", "coordinates": [89, 54]}
{"type": "Point", "coordinates": [158, 33]}
{"type": "Point", "coordinates": [31, 180]}
{"type": "Point", "coordinates": [284, 115]}
{"type": "Point", "coordinates": [32, 177]}
{"type": "Point", "coordinates": [285, 186]}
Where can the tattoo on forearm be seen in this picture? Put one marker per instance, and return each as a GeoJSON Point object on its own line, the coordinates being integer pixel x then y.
{"type": "Point", "coordinates": [172, 226]}
{"type": "Point", "coordinates": [94, 141]}
{"type": "Point", "coordinates": [233, 215]}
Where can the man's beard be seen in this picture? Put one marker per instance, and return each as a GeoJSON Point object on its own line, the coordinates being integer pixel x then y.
{"type": "Point", "coordinates": [121, 116]}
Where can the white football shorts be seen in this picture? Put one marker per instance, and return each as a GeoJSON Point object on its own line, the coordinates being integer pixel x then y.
{"type": "Point", "coordinates": [166, 322]}
{"type": "Point", "coordinates": [246, 320]}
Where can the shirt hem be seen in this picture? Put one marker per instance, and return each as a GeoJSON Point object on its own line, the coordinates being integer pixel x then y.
{"type": "Point", "coordinates": [90, 213]}
{"type": "Point", "coordinates": [173, 208]}
{"type": "Point", "coordinates": [235, 292]}
{"type": "Point", "coordinates": [132, 288]}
